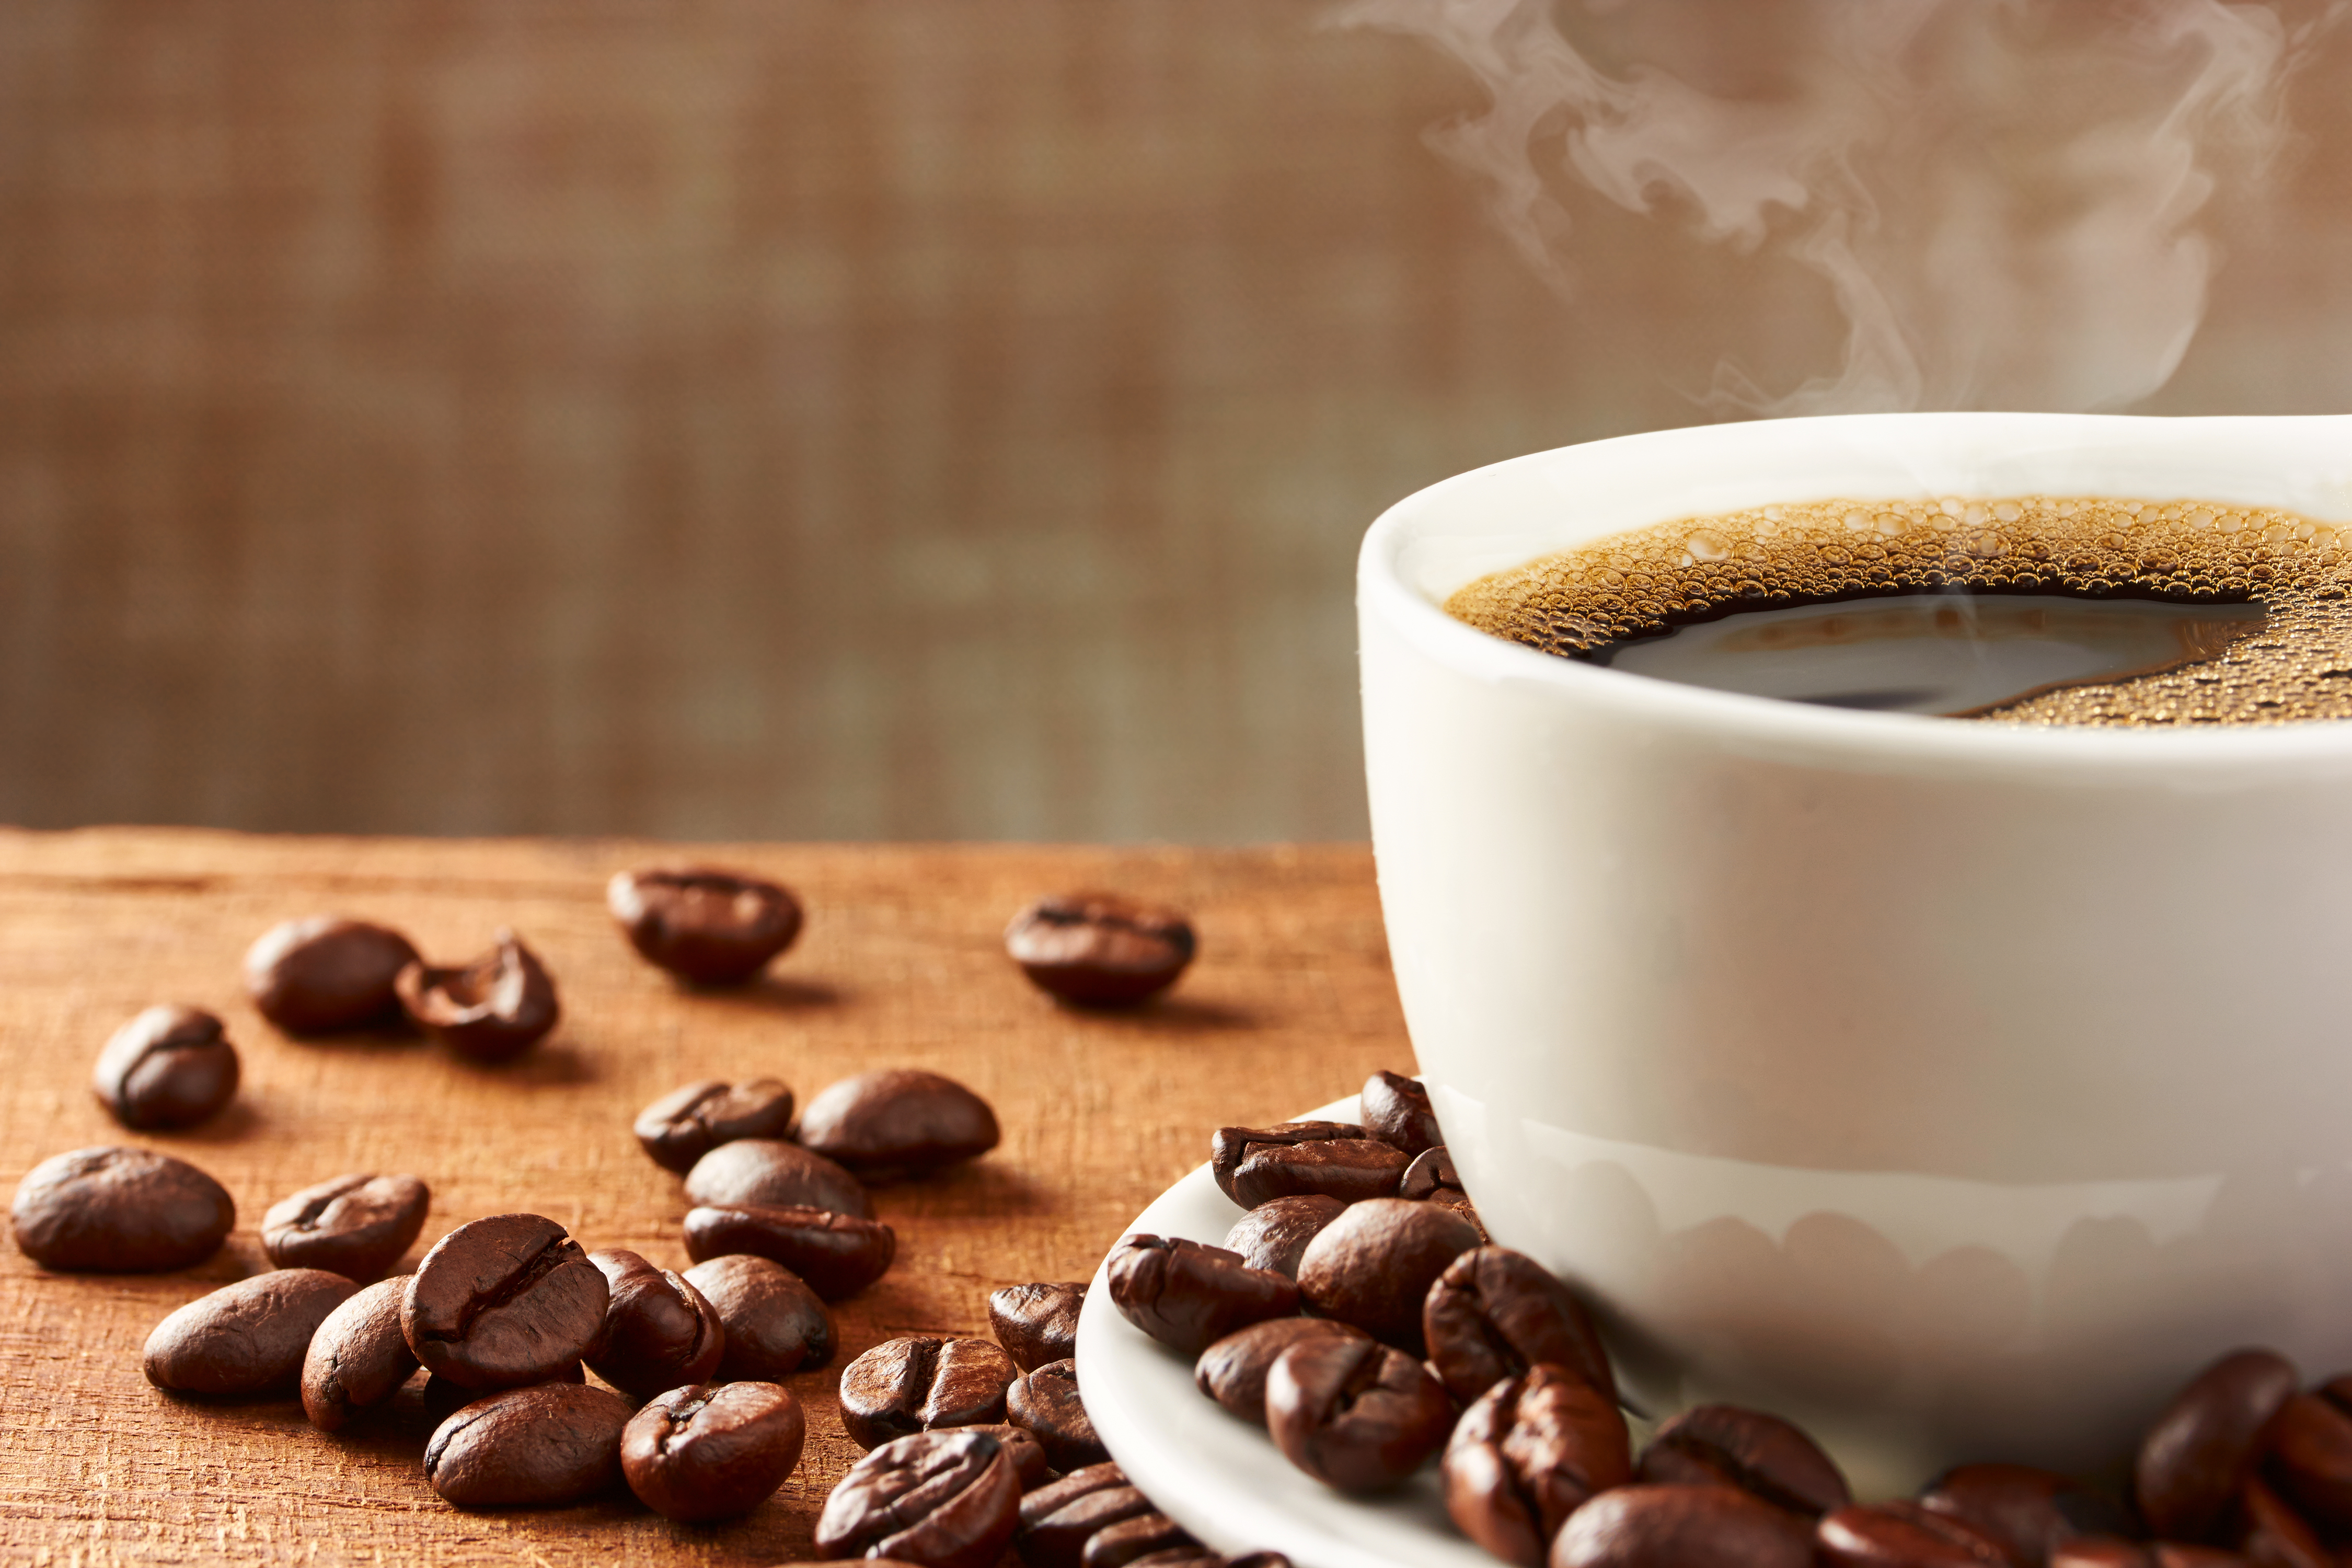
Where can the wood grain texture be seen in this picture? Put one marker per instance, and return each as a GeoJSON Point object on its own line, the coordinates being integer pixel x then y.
{"type": "Point", "coordinates": [1291, 1005]}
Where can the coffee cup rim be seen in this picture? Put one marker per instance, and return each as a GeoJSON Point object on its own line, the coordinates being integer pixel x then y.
{"type": "Point", "coordinates": [2302, 463]}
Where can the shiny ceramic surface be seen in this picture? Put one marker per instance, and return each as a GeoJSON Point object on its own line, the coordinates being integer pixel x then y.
{"type": "Point", "coordinates": [1953, 1089]}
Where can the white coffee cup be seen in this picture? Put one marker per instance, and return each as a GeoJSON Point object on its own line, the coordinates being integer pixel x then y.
{"type": "Point", "coordinates": [1956, 1090]}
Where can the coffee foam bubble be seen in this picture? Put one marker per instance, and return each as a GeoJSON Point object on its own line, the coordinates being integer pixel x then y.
{"type": "Point", "coordinates": [1650, 580]}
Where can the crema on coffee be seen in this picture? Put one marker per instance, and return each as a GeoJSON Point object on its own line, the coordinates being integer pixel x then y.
{"type": "Point", "coordinates": [2027, 609]}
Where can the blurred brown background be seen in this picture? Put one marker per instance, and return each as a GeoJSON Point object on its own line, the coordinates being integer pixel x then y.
{"type": "Point", "coordinates": [800, 419]}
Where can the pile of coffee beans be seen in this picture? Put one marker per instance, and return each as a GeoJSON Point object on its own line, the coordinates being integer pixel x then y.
{"type": "Point", "coordinates": [975, 1445]}
{"type": "Point", "coordinates": [1358, 1312]}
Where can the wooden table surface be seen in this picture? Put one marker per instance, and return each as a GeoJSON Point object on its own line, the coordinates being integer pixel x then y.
{"type": "Point", "coordinates": [1289, 1006]}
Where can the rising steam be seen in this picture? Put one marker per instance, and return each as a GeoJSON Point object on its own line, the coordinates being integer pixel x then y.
{"type": "Point", "coordinates": [2002, 195]}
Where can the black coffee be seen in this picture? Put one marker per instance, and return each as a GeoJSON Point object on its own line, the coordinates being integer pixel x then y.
{"type": "Point", "coordinates": [2031, 609]}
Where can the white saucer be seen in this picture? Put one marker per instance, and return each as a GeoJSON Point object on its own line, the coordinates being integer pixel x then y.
{"type": "Point", "coordinates": [1215, 1474]}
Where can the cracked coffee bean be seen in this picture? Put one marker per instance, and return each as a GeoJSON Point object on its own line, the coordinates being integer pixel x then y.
{"type": "Point", "coordinates": [775, 1324]}
{"type": "Point", "coordinates": [542, 1447]}
{"type": "Point", "coordinates": [1683, 1527]}
{"type": "Point", "coordinates": [703, 924]}
{"type": "Point", "coordinates": [1396, 1110]}
{"type": "Point", "coordinates": [686, 1123]}
{"type": "Point", "coordinates": [2028, 1511]}
{"type": "Point", "coordinates": [1532, 1451]}
{"type": "Point", "coordinates": [246, 1338]}
{"type": "Point", "coordinates": [1495, 1313]}
{"type": "Point", "coordinates": [327, 973]}
{"type": "Point", "coordinates": [503, 1302]}
{"type": "Point", "coordinates": [1131, 1540]}
{"type": "Point", "coordinates": [358, 1226]}
{"type": "Point", "coordinates": [1188, 1296]}
{"type": "Point", "coordinates": [1044, 1403]}
{"type": "Point", "coordinates": [836, 1255]}
{"type": "Point", "coordinates": [1355, 1414]}
{"type": "Point", "coordinates": [1232, 1371]}
{"type": "Point", "coordinates": [697, 1453]}
{"type": "Point", "coordinates": [887, 1126]}
{"type": "Point", "coordinates": [358, 1358]}
{"type": "Point", "coordinates": [1099, 950]}
{"type": "Point", "coordinates": [1902, 1534]}
{"type": "Point", "coordinates": [922, 1383]}
{"type": "Point", "coordinates": [1038, 1324]}
{"type": "Point", "coordinates": [2196, 1457]}
{"type": "Point", "coordinates": [1275, 1234]}
{"type": "Point", "coordinates": [943, 1499]}
{"type": "Point", "coordinates": [1374, 1266]}
{"type": "Point", "coordinates": [169, 1067]}
{"type": "Point", "coordinates": [1295, 1158]}
{"type": "Point", "coordinates": [1725, 1445]}
{"type": "Point", "coordinates": [1058, 1519]}
{"type": "Point", "coordinates": [659, 1332]}
{"type": "Point", "coordinates": [2310, 1456]}
{"type": "Point", "coordinates": [490, 1010]}
{"type": "Point", "coordinates": [775, 1175]}
{"type": "Point", "coordinates": [112, 1210]}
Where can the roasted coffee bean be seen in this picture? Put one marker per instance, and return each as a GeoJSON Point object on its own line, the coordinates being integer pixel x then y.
{"type": "Point", "coordinates": [1145, 1535]}
{"type": "Point", "coordinates": [1028, 1456]}
{"type": "Point", "coordinates": [2197, 1456]}
{"type": "Point", "coordinates": [2273, 1535]}
{"type": "Point", "coordinates": [775, 1325]}
{"type": "Point", "coordinates": [2113, 1552]}
{"type": "Point", "coordinates": [943, 1500]}
{"type": "Point", "coordinates": [246, 1338]}
{"type": "Point", "coordinates": [1038, 1324]}
{"type": "Point", "coordinates": [1431, 1176]}
{"type": "Point", "coordinates": [1275, 1234]}
{"type": "Point", "coordinates": [541, 1446]}
{"type": "Point", "coordinates": [1297, 1159]}
{"type": "Point", "coordinates": [503, 1302]}
{"type": "Point", "coordinates": [1683, 1527]}
{"type": "Point", "coordinates": [358, 1226]}
{"type": "Point", "coordinates": [490, 1010]}
{"type": "Point", "coordinates": [444, 1398]}
{"type": "Point", "coordinates": [1202, 1557]}
{"type": "Point", "coordinates": [1494, 1313]}
{"type": "Point", "coordinates": [703, 924]}
{"type": "Point", "coordinates": [327, 973]}
{"type": "Point", "coordinates": [1354, 1414]}
{"type": "Point", "coordinates": [358, 1358]}
{"type": "Point", "coordinates": [1725, 1445]}
{"type": "Point", "coordinates": [2028, 1511]}
{"type": "Point", "coordinates": [702, 1452]}
{"type": "Point", "coordinates": [659, 1332]}
{"type": "Point", "coordinates": [169, 1067]}
{"type": "Point", "coordinates": [1058, 1519]}
{"type": "Point", "coordinates": [1396, 1110]}
{"type": "Point", "coordinates": [922, 1383]}
{"type": "Point", "coordinates": [1374, 1266]}
{"type": "Point", "coordinates": [1188, 1296]}
{"type": "Point", "coordinates": [836, 1254]}
{"type": "Point", "coordinates": [1099, 950]}
{"type": "Point", "coordinates": [886, 1126]}
{"type": "Point", "coordinates": [1902, 1534]}
{"type": "Point", "coordinates": [1044, 1403]}
{"type": "Point", "coordinates": [112, 1210]}
{"type": "Point", "coordinates": [2310, 1456]}
{"type": "Point", "coordinates": [1532, 1451]}
{"type": "Point", "coordinates": [686, 1123]}
{"type": "Point", "coordinates": [1232, 1371]}
{"type": "Point", "coordinates": [775, 1175]}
